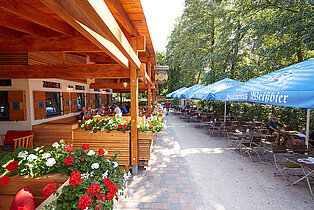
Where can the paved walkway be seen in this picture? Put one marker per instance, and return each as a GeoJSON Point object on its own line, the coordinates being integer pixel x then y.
{"type": "Point", "coordinates": [167, 182]}
{"type": "Point", "coordinates": [190, 170]}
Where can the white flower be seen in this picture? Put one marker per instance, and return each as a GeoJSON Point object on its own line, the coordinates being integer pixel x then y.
{"type": "Point", "coordinates": [130, 191]}
{"type": "Point", "coordinates": [32, 157]}
{"type": "Point", "coordinates": [37, 149]}
{"type": "Point", "coordinates": [56, 144]}
{"type": "Point", "coordinates": [50, 162]}
{"type": "Point", "coordinates": [88, 121]}
{"type": "Point", "coordinates": [95, 166]}
{"type": "Point", "coordinates": [46, 155]}
{"type": "Point", "coordinates": [86, 175]}
{"type": "Point", "coordinates": [126, 176]}
{"type": "Point", "coordinates": [105, 175]}
{"type": "Point", "coordinates": [115, 164]}
{"type": "Point", "coordinates": [91, 152]}
{"type": "Point", "coordinates": [40, 151]}
{"type": "Point", "coordinates": [138, 126]}
{"type": "Point", "coordinates": [22, 154]}
{"type": "Point", "coordinates": [105, 152]}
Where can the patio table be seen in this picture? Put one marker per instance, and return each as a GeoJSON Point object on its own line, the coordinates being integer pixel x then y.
{"type": "Point", "coordinates": [305, 162]}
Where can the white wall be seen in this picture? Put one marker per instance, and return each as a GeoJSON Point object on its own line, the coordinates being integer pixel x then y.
{"type": "Point", "coordinates": [30, 85]}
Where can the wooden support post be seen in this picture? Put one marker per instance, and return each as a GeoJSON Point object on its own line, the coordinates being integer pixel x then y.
{"type": "Point", "coordinates": [149, 90]}
{"type": "Point", "coordinates": [154, 97]}
{"type": "Point", "coordinates": [121, 97]}
{"type": "Point", "coordinates": [134, 117]}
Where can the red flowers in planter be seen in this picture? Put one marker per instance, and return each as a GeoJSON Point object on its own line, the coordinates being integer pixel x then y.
{"type": "Point", "coordinates": [112, 188]}
{"type": "Point", "coordinates": [88, 127]}
{"type": "Point", "coordinates": [12, 166]}
{"type": "Point", "coordinates": [97, 120]}
{"type": "Point", "coordinates": [84, 202]}
{"type": "Point", "coordinates": [93, 190]}
{"type": "Point", "coordinates": [4, 180]}
{"type": "Point", "coordinates": [107, 181]}
{"type": "Point", "coordinates": [120, 126]}
{"type": "Point", "coordinates": [101, 197]}
{"type": "Point", "coordinates": [68, 147]}
{"type": "Point", "coordinates": [85, 147]}
{"type": "Point", "coordinates": [49, 189]}
{"type": "Point", "coordinates": [124, 126]}
{"type": "Point", "coordinates": [151, 126]}
{"type": "Point", "coordinates": [101, 151]}
{"type": "Point", "coordinates": [110, 195]}
{"type": "Point", "coordinates": [75, 178]}
{"type": "Point", "coordinates": [69, 160]}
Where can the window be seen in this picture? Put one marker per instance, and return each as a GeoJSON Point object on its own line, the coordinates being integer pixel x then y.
{"type": "Point", "coordinates": [97, 101]}
{"type": "Point", "coordinates": [51, 84]}
{"type": "Point", "coordinates": [53, 105]}
{"type": "Point", "coordinates": [80, 101]}
{"type": "Point", "coordinates": [98, 90]}
{"type": "Point", "coordinates": [5, 82]}
{"type": "Point", "coordinates": [4, 106]}
{"type": "Point", "coordinates": [79, 87]}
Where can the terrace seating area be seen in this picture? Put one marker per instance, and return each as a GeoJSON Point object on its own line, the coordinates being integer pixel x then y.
{"type": "Point", "coordinates": [252, 139]}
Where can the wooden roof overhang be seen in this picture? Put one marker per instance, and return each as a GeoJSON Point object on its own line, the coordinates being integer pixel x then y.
{"type": "Point", "coordinates": [113, 34]}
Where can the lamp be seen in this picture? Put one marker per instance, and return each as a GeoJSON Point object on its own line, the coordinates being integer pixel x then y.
{"type": "Point", "coordinates": [70, 87]}
{"type": "Point", "coordinates": [125, 84]}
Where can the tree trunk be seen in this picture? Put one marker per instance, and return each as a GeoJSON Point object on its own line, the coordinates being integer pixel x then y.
{"type": "Point", "coordinates": [299, 48]}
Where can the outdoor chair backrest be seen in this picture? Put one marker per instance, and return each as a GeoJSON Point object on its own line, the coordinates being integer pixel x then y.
{"type": "Point", "coordinates": [271, 139]}
{"type": "Point", "coordinates": [26, 141]}
{"type": "Point", "coordinates": [279, 148]}
{"type": "Point", "coordinates": [301, 149]}
{"type": "Point", "coordinates": [217, 124]}
{"type": "Point", "coordinates": [228, 124]}
{"type": "Point", "coordinates": [256, 139]}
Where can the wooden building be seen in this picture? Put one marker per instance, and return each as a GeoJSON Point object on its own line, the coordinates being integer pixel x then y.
{"type": "Point", "coordinates": [59, 55]}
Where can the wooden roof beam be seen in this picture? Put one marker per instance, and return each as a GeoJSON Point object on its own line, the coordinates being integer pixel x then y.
{"type": "Point", "coordinates": [59, 43]}
{"type": "Point", "coordinates": [36, 16]}
{"type": "Point", "coordinates": [119, 86]}
{"type": "Point", "coordinates": [121, 16]}
{"type": "Point", "coordinates": [144, 75]}
{"type": "Point", "coordinates": [99, 13]}
{"type": "Point", "coordinates": [63, 71]}
{"type": "Point", "coordinates": [75, 16]}
{"type": "Point", "coordinates": [11, 21]}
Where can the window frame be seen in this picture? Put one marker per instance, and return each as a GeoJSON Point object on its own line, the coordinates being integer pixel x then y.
{"type": "Point", "coordinates": [6, 118]}
{"type": "Point", "coordinates": [58, 104]}
{"type": "Point", "coordinates": [83, 100]}
{"type": "Point", "coordinates": [97, 99]}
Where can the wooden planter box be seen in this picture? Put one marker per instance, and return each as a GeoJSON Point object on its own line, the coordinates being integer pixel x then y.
{"type": "Point", "coordinates": [145, 141]}
{"type": "Point", "coordinates": [47, 133]}
{"type": "Point", "coordinates": [113, 141]}
{"type": "Point", "coordinates": [7, 192]}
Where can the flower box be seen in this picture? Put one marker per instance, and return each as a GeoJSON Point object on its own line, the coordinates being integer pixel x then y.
{"type": "Point", "coordinates": [8, 191]}
{"type": "Point", "coordinates": [145, 142]}
{"type": "Point", "coordinates": [112, 142]}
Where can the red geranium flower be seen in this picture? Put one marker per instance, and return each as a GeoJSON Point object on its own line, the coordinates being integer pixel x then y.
{"type": "Point", "coordinates": [151, 126]}
{"type": "Point", "coordinates": [84, 202]}
{"type": "Point", "coordinates": [87, 118]}
{"type": "Point", "coordinates": [124, 126]}
{"type": "Point", "coordinates": [85, 146]}
{"type": "Point", "coordinates": [4, 180]}
{"type": "Point", "coordinates": [93, 190]}
{"type": "Point", "coordinates": [88, 127]}
{"type": "Point", "coordinates": [97, 120]}
{"type": "Point", "coordinates": [82, 159]}
{"type": "Point", "coordinates": [120, 126]}
{"type": "Point", "coordinates": [110, 196]}
{"type": "Point", "coordinates": [112, 188]}
{"type": "Point", "coordinates": [107, 181]}
{"type": "Point", "coordinates": [101, 151]}
{"type": "Point", "coordinates": [68, 147]}
{"type": "Point", "coordinates": [12, 166]}
{"type": "Point", "coordinates": [124, 132]}
{"type": "Point", "coordinates": [117, 198]}
{"type": "Point", "coordinates": [69, 160]}
{"type": "Point", "coordinates": [26, 207]}
{"type": "Point", "coordinates": [49, 189]}
{"type": "Point", "coordinates": [98, 207]}
{"type": "Point", "coordinates": [101, 197]}
{"type": "Point", "coordinates": [75, 178]}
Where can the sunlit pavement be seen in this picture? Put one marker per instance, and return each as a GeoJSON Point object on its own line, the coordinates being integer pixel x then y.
{"type": "Point", "coordinates": [191, 170]}
{"type": "Point", "coordinates": [166, 183]}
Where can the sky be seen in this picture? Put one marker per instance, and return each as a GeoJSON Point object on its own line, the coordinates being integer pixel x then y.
{"type": "Point", "coordinates": [161, 17]}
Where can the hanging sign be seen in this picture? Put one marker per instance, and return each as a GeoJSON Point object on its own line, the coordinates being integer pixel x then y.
{"type": "Point", "coordinates": [161, 74]}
